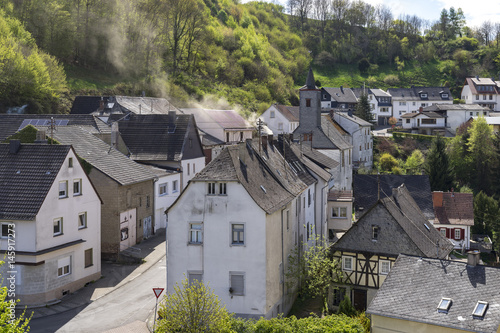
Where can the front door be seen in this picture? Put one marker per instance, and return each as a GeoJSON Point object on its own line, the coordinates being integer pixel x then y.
{"type": "Point", "coordinates": [359, 299]}
{"type": "Point", "coordinates": [148, 228]}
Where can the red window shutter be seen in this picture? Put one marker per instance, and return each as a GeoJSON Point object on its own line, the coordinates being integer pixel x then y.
{"type": "Point", "coordinates": [462, 234]}
{"type": "Point", "coordinates": [447, 233]}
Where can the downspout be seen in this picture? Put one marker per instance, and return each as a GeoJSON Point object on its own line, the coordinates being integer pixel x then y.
{"type": "Point", "coordinates": [282, 281]}
{"type": "Point", "coordinates": [323, 210]}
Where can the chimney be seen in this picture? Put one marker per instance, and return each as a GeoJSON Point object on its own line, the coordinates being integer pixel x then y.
{"type": "Point", "coordinates": [473, 258]}
{"type": "Point", "coordinates": [101, 105]}
{"type": "Point", "coordinates": [264, 142]}
{"type": "Point", "coordinates": [171, 121]}
{"type": "Point", "coordinates": [270, 139]}
{"type": "Point", "coordinates": [14, 146]}
{"type": "Point", "coordinates": [41, 137]}
{"type": "Point", "coordinates": [477, 77]}
{"type": "Point", "coordinates": [437, 199]}
{"type": "Point", "coordinates": [452, 193]}
{"type": "Point", "coordinates": [349, 112]}
{"type": "Point", "coordinates": [114, 135]}
{"type": "Point", "coordinates": [342, 89]}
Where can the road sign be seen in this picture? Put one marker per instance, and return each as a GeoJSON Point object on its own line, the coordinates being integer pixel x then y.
{"type": "Point", "coordinates": [158, 291]}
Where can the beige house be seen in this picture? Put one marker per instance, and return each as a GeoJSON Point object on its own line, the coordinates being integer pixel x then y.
{"type": "Point", "coordinates": [436, 295]}
{"type": "Point", "coordinates": [50, 216]}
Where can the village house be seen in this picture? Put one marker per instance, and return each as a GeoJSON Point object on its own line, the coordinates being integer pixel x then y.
{"type": "Point", "coordinates": [482, 91]}
{"type": "Point", "coordinates": [338, 98]}
{"type": "Point", "coordinates": [170, 141]}
{"type": "Point", "coordinates": [281, 118]}
{"type": "Point", "coordinates": [428, 123]}
{"type": "Point", "coordinates": [235, 225]}
{"type": "Point", "coordinates": [454, 217]}
{"type": "Point", "coordinates": [104, 106]}
{"type": "Point", "coordinates": [50, 213]}
{"type": "Point", "coordinates": [436, 295]}
{"type": "Point", "coordinates": [368, 250]}
{"type": "Point", "coordinates": [368, 189]}
{"type": "Point", "coordinates": [125, 187]}
{"type": "Point", "coordinates": [410, 100]}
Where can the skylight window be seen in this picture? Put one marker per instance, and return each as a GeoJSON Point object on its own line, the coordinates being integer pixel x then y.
{"type": "Point", "coordinates": [263, 188]}
{"type": "Point", "coordinates": [427, 227]}
{"type": "Point", "coordinates": [480, 309]}
{"type": "Point", "coordinates": [444, 305]}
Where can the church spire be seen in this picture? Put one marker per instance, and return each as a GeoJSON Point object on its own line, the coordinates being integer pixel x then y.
{"type": "Point", "coordinates": [310, 83]}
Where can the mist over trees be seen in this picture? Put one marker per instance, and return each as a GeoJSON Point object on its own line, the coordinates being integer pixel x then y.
{"type": "Point", "coordinates": [251, 54]}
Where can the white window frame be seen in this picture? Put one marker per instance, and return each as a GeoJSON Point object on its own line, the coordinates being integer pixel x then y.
{"type": "Point", "coordinates": [77, 182]}
{"type": "Point", "coordinates": [1, 230]}
{"type": "Point", "coordinates": [444, 305]}
{"type": "Point", "coordinates": [272, 114]}
{"type": "Point", "coordinates": [59, 222]}
{"type": "Point", "coordinates": [459, 234]}
{"type": "Point", "coordinates": [240, 234]}
{"type": "Point", "coordinates": [175, 186]}
{"type": "Point", "coordinates": [222, 188]}
{"type": "Point", "coordinates": [383, 269]}
{"type": "Point", "coordinates": [348, 259]}
{"type": "Point", "coordinates": [194, 274]}
{"type": "Point", "coordinates": [475, 313]}
{"type": "Point", "coordinates": [63, 189]}
{"type": "Point", "coordinates": [237, 293]}
{"type": "Point", "coordinates": [84, 225]}
{"type": "Point", "coordinates": [64, 266]}
{"type": "Point", "coordinates": [163, 189]}
{"type": "Point", "coordinates": [195, 233]}
{"type": "Point", "coordinates": [340, 211]}
{"type": "Point", "coordinates": [280, 126]}
{"type": "Point", "coordinates": [70, 162]}
{"type": "Point", "coordinates": [443, 232]}
{"type": "Point", "coordinates": [211, 189]}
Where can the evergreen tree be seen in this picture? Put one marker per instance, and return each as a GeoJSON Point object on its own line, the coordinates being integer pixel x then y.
{"type": "Point", "coordinates": [481, 150]}
{"type": "Point", "coordinates": [363, 108]}
{"type": "Point", "coordinates": [438, 167]}
{"type": "Point", "coordinates": [485, 214]}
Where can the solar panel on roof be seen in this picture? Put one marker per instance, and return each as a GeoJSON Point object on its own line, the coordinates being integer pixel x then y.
{"type": "Point", "coordinates": [42, 122]}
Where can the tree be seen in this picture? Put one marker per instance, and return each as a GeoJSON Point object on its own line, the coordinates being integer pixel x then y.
{"type": "Point", "coordinates": [8, 321]}
{"type": "Point", "coordinates": [363, 108]}
{"type": "Point", "coordinates": [388, 162]}
{"type": "Point", "coordinates": [482, 152]}
{"type": "Point", "coordinates": [486, 217]}
{"type": "Point", "coordinates": [437, 166]}
{"type": "Point", "coordinates": [192, 308]}
{"type": "Point", "coordinates": [313, 270]}
{"type": "Point", "coordinates": [415, 162]}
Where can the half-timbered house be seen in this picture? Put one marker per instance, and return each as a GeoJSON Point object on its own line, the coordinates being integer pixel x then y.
{"type": "Point", "coordinates": [367, 251]}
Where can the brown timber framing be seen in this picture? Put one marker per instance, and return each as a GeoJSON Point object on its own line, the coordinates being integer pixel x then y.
{"type": "Point", "coordinates": [365, 268]}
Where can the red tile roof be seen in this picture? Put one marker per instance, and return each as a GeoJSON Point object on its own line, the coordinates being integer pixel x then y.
{"type": "Point", "coordinates": [453, 208]}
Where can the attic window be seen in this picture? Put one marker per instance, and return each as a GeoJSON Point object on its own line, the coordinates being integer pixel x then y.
{"type": "Point", "coordinates": [444, 305]}
{"type": "Point", "coordinates": [263, 189]}
{"type": "Point", "coordinates": [375, 232]}
{"type": "Point", "coordinates": [444, 96]}
{"type": "Point", "coordinates": [480, 309]}
{"type": "Point", "coordinates": [423, 95]}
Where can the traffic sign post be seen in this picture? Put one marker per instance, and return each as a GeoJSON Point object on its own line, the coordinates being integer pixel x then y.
{"type": "Point", "coordinates": [157, 292]}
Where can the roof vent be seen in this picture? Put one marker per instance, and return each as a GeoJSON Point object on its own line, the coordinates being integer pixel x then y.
{"type": "Point", "coordinates": [427, 227]}
{"type": "Point", "coordinates": [263, 189]}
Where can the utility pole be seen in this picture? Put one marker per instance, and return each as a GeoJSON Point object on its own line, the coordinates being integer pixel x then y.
{"type": "Point", "coordinates": [52, 128]}
{"type": "Point", "coordinates": [260, 123]}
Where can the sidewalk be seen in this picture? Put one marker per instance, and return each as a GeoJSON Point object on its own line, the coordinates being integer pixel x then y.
{"type": "Point", "coordinates": [113, 276]}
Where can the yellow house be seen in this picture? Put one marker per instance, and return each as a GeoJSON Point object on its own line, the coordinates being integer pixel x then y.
{"type": "Point", "coordinates": [436, 295]}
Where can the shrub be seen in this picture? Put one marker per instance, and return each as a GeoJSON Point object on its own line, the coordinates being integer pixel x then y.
{"type": "Point", "coordinates": [391, 80]}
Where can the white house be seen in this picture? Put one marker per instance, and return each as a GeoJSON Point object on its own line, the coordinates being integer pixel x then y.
{"type": "Point", "coordinates": [360, 138]}
{"type": "Point", "coordinates": [454, 217]}
{"type": "Point", "coordinates": [410, 100]}
{"type": "Point", "coordinates": [457, 114]}
{"type": "Point", "coordinates": [482, 91]}
{"type": "Point", "coordinates": [234, 226]}
{"type": "Point", "coordinates": [50, 214]}
{"type": "Point", "coordinates": [281, 118]}
{"type": "Point", "coordinates": [424, 122]}
{"type": "Point", "coordinates": [166, 191]}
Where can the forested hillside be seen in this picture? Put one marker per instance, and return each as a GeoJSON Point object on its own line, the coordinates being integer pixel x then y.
{"type": "Point", "coordinates": [249, 54]}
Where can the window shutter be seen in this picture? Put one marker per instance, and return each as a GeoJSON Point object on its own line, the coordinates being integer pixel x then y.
{"type": "Point", "coordinates": [462, 234]}
{"type": "Point", "coordinates": [447, 233]}
{"type": "Point", "coordinates": [237, 284]}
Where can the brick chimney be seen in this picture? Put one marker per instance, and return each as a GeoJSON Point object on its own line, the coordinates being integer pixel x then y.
{"type": "Point", "coordinates": [420, 109]}
{"type": "Point", "coordinates": [437, 199]}
{"type": "Point", "coordinates": [264, 142]}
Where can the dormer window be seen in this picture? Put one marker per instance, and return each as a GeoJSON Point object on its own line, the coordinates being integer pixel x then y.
{"type": "Point", "coordinates": [480, 310]}
{"type": "Point", "coordinates": [423, 95]}
{"type": "Point", "coordinates": [444, 305]}
{"type": "Point", "coordinates": [444, 95]}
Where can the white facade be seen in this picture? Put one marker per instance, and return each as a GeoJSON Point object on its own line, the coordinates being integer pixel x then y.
{"type": "Point", "coordinates": [201, 244]}
{"type": "Point", "coordinates": [277, 122]}
{"type": "Point", "coordinates": [60, 251]}
{"type": "Point", "coordinates": [422, 121]}
{"type": "Point", "coordinates": [189, 169]}
{"type": "Point", "coordinates": [458, 235]}
{"type": "Point", "coordinates": [361, 139]}
{"type": "Point", "coordinates": [342, 174]}
{"type": "Point", "coordinates": [165, 195]}
{"type": "Point", "coordinates": [485, 93]}
{"type": "Point", "coordinates": [455, 118]}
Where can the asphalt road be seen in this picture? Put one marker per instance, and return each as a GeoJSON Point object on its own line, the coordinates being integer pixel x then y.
{"type": "Point", "coordinates": [131, 302]}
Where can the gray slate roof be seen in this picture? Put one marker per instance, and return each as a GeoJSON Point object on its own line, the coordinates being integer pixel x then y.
{"type": "Point", "coordinates": [413, 93]}
{"type": "Point", "coordinates": [456, 107]}
{"type": "Point", "coordinates": [102, 157]}
{"type": "Point", "coordinates": [335, 133]}
{"type": "Point", "coordinates": [154, 137]}
{"type": "Point", "coordinates": [415, 286]}
{"type": "Point", "coordinates": [26, 177]}
{"type": "Point", "coordinates": [403, 229]}
{"type": "Point", "coordinates": [241, 163]}
{"type": "Point", "coordinates": [342, 95]}
{"type": "Point", "coordinates": [121, 105]}
{"type": "Point", "coordinates": [11, 123]}
{"type": "Point", "coordinates": [365, 189]}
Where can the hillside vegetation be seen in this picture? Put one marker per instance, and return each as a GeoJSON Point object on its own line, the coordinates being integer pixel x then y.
{"type": "Point", "coordinates": [221, 52]}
